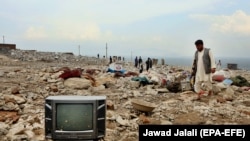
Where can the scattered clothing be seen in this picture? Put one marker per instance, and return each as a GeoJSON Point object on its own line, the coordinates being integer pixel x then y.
{"type": "Point", "coordinates": [240, 81]}
{"type": "Point", "coordinates": [143, 80]}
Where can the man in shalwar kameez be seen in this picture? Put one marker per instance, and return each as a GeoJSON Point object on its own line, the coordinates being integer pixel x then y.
{"type": "Point", "coordinates": [203, 67]}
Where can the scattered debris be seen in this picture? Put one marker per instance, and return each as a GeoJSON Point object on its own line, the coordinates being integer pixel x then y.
{"type": "Point", "coordinates": [153, 97]}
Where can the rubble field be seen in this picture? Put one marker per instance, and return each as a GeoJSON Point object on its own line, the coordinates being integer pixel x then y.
{"type": "Point", "coordinates": [26, 80]}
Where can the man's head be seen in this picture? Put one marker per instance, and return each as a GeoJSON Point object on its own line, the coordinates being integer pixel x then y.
{"type": "Point", "coordinates": [199, 45]}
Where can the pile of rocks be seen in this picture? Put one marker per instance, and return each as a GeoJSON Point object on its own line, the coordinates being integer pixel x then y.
{"type": "Point", "coordinates": [23, 91]}
{"type": "Point", "coordinates": [33, 55]}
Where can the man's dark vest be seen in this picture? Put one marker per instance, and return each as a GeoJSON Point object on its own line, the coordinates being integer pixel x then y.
{"type": "Point", "coordinates": [206, 61]}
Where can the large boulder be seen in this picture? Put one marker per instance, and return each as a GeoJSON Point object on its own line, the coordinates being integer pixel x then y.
{"type": "Point", "coordinates": [14, 99]}
{"type": "Point", "coordinates": [228, 94]}
{"type": "Point", "coordinates": [104, 80]}
{"type": "Point", "coordinates": [77, 83]}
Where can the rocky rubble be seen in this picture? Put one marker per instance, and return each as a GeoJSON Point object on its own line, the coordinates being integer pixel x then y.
{"type": "Point", "coordinates": [24, 87]}
{"type": "Point", "coordinates": [33, 55]}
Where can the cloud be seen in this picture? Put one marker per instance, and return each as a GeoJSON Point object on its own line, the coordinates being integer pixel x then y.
{"type": "Point", "coordinates": [35, 33]}
{"type": "Point", "coordinates": [124, 12]}
{"type": "Point", "coordinates": [76, 31]}
{"type": "Point", "coordinates": [70, 31]}
{"type": "Point", "coordinates": [85, 31]}
{"type": "Point", "coordinates": [111, 11]}
{"type": "Point", "coordinates": [238, 22]}
{"type": "Point", "coordinates": [157, 38]}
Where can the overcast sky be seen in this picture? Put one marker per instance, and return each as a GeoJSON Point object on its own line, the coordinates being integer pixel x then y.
{"type": "Point", "coordinates": [144, 27]}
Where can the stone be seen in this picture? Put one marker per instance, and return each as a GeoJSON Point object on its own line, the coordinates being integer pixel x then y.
{"type": "Point", "coordinates": [151, 92]}
{"type": "Point", "coordinates": [155, 80]}
{"type": "Point", "coordinates": [136, 93]}
{"type": "Point", "coordinates": [2, 102]}
{"type": "Point", "coordinates": [103, 81]}
{"type": "Point", "coordinates": [54, 88]}
{"type": "Point", "coordinates": [46, 76]}
{"type": "Point", "coordinates": [10, 106]}
{"type": "Point", "coordinates": [235, 88]}
{"type": "Point", "coordinates": [110, 125]}
{"type": "Point", "coordinates": [14, 99]}
{"type": "Point", "coordinates": [77, 83]}
{"type": "Point", "coordinates": [121, 121]}
{"type": "Point", "coordinates": [53, 80]}
{"type": "Point", "coordinates": [246, 92]}
{"type": "Point", "coordinates": [166, 122]}
{"type": "Point", "coordinates": [110, 85]}
{"type": "Point", "coordinates": [246, 103]}
{"type": "Point", "coordinates": [56, 75]}
{"type": "Point", "coordinates": [4, 128]}
{"type": "Point", "coordinates": [32, 96]}
{"type": "Point", "coordinates": [110, 105]}
{"type": "Point", "coordinates": [124, 96]}
{"type": "Point", "coordinates": [17, 131]}
{"type": "Point", "coordinates": [189, 118]}
{"type": "Point", "coordinates": [134, 84]}
{"type": "Point", "coordinates": [110, 115]}
{"type": "Point", "coordinates": [228, 94]}
{"type": "Point", "coordinates": [98, 88]}
{"type": "Point", "coordinates": [15, 90]}
{"type": "Point", "coordinates": [1, 73]}
{"type": "Point", "coordinates": [162, 90]}
{"type": "Point", "coordinates": [8, 115]}
{"type": "Point", "coordinates": [221, 85]}
{"type": "Point", "coordinates": [216, 89]}
{"type": "Point", "coordinates": [144, 119]}
{"type": "Point", "coordinates": [11, 74]}
{"type": "Point", "coordinates": [221, 100]}
{"type": "Point", "coordinates": [230, 91]}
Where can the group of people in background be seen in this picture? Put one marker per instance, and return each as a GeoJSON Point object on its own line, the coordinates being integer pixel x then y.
{"type": "Point", "coordinates": [110, 58]}
{"type": "Point", "coordinates": [139, 63]}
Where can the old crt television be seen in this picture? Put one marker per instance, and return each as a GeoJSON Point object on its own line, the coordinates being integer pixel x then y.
{"type": "Point", "coordinates": [75, 117]}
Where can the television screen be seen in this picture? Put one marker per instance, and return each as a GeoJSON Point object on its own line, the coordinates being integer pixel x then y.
{"type": "Point", "coordinates": [74, 116]}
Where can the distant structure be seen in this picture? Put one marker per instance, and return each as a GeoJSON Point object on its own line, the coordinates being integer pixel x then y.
{"type": "Point", "coordinates": [9, 46]}
{"type": "Point", "coordinates": [232, 66]}
{"type": "Point", "coordinates": [68, 53]}
{"type": "Point", "coordinates": [155, 61]}
{"type": "Point", "coordinates": [5, 48]}
{"type": "Point", "coordinates": [162, 62]}
{"type": "Point", "coordinates": [115, 58]}
{"type": "Point", "coordinates": [107, 49]}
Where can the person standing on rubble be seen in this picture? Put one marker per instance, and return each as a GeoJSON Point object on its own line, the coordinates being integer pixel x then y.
{"type": "Point", "coordinates": [110, 60]}
{"type": "Point", "coordinates": [141, 68]}
{"type": "Point", "coordinates": [219, 65]}
{"type": "Point", "coordinates": [136, 62]}
{"type": "Point", "coordinates": [203, 66]}
{"type": "Point", "coordinates": [148, 64]}
{"type": "Point", "coordinates": [140, 61]}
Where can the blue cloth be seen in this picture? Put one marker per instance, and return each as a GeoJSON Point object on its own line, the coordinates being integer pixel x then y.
{"type": "Point", "coordinates": [113, 71]}
{"type": "Point", "coordinates": [227, 81]}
